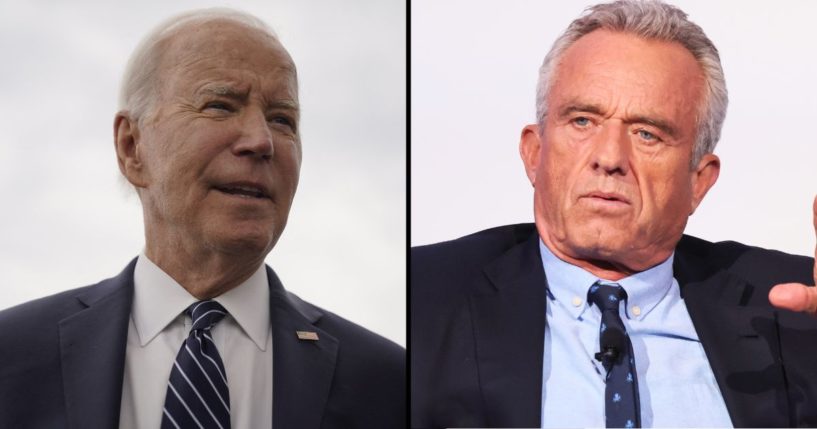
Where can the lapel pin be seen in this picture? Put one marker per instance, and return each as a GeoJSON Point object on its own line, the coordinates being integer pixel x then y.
{"type": "Point", "coordinates": [307, 335]}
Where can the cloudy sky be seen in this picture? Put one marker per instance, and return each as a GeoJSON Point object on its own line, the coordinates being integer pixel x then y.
{"type": "Point", "coordinates": [474, 67]}
{"type": "Point", "coordinates": [66, 220]}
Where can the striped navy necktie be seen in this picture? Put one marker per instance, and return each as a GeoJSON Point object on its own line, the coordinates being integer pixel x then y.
{"type": "Point", "coordinates": [197, 395]}
{"type": "Point", "coordinates": [621, 404]}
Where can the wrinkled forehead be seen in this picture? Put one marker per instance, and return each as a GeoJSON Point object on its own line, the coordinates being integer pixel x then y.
{"type": "Point", "coordinates": [649, 73]}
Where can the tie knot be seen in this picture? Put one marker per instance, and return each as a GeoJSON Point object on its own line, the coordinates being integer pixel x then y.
{"type": "Point", "coordinates": [606, 296]}
{"type": "Point", "coordinates": [205, 314]}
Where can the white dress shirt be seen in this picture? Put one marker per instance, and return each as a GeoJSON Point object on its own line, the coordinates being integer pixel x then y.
{"type": "Point", "coordinates": [158, 327]}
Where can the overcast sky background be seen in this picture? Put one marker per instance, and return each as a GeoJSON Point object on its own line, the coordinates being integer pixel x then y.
{"type": "Point", "coordinates": [66, 221]}
{"type": "Point", "coordinates": [474, 68]}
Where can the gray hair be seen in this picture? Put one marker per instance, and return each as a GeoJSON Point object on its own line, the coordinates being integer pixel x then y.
{"type": "Point", "coordinates": [655, 20]}
{"type": "Point", "coordinates": [138, 90]}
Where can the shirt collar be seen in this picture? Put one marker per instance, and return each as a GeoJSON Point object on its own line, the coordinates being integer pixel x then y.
{"type": "Point", "coordinates": [158, 300]}
{"type": "Point", "coordinates": [568, 284]}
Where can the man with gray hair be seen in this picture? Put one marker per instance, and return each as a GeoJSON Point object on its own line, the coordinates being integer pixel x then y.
{"type": "Point", "coordinates": [197, 331]}
{"type": "Point", "coordinates": [602, 312]}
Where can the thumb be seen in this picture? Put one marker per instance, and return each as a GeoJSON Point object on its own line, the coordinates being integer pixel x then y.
{"type": "Point", "coordinates": [794, 297]}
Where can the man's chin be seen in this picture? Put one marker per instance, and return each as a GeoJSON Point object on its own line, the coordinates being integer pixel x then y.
{"type": "Point", "coordinates": [599, 252]}
{"type": "Point", "coordinates": [249, 244]}
{"type": "Point", "coordinates": [612, 245]}
{"type": "Point", "coordinates": [620, 255]}
{"type": "Point", "coordinates": [601, 236]}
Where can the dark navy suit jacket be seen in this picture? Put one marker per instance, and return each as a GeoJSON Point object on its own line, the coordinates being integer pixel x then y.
{"type": "Point", "coordinates": [478, 323]}
{"type": "Point", "coordinates": [62, 360]}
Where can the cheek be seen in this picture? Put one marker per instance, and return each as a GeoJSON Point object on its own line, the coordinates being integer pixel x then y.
{"type": "Point", "coordinates": [552, 161]}
{"type": "Point", "coordinates": [555, 179]}
{"type": "Point", "coordinates": [287, 161]}
{"type": "Point", "coordinates": [666, 199]}
{"type": "Point", "coordinates": [285, 173]}
{"type": "Point", "coordinates": [564, 168]}
{"type": "Point", "coordinates": [181, 188]}
{"type": "Point", "coordinates": [294, 159]}
{"type": "Point", "coordinates": [171, 155]}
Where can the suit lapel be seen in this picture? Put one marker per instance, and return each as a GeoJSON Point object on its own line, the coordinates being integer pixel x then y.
{"type": "Point", "coordinates": [509, 329]}
{"type": "Point", "coordinates": [92, 347]}
{"type": "Point", "coordinates": [302, 370]}
{"type": "Point", "coordinates": [93, 343]}
{"type": "Point", "coordinates": [741, 342]}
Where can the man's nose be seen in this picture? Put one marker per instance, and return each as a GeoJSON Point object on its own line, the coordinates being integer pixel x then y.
{"type": "Point", "coordinates": [256, 138]}
{"type": "Point", "coordinates": [611, 150]}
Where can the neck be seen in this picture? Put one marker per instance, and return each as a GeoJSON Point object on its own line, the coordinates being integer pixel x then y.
{"type": "Point", "coordinates": [602, 268]}
{"type": "Point", "coordinates": [204, 272]}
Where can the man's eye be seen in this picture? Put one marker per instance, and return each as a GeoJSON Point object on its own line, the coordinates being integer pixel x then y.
{"type": "Point", "coordinates": [581, 121]}
{"type": "Point", "coordinates": [646, 135]}
{"type": "Point", "coordinates": [282, 120]}
{"type": "Point", "coordinates": [219, 105]}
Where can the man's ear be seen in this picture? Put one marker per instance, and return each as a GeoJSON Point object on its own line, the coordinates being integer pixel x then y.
{"type": "Point", "coordinates": [128, 152]}
{"type": "Point", "coordinates": [530, 149]}
{"type": "Point", "coordinates": [704, 177]}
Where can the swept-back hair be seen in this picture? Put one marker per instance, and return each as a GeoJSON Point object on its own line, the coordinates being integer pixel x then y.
{"type": "Point", "coordinates": [653, 20]}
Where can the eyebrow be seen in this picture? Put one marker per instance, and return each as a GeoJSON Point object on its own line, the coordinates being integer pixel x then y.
{"type": "Point", "coordinates": [222, 90]}
{"type": "Point", "coordinates": [662, 124]}
{"type": "Point", "coordinates": [283, 104]}
{"type": "Point", "coordinates": [227, 91]}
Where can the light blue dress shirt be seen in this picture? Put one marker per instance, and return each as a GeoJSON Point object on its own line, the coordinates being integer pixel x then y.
{"type": "Point", "coordinates": [675, 382]}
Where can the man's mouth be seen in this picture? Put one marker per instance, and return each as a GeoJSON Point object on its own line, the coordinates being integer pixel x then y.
{"type": "Point", "coordinates": [244, 189]}
{"type": "Point", "coordinates": [608, 196]}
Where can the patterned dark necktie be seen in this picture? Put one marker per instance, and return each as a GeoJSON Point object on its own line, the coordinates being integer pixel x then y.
{"type": "Point", "coordinates": [621, 407]}
{"type": "Point", "coordinates": [197, 395]}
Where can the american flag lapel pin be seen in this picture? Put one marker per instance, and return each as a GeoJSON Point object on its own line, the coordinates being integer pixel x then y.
{"type": "Point", "coordinates": [307, 335]}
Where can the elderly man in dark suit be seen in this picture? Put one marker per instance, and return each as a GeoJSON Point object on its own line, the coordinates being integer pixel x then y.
{"type": "Point", "coordinates": [602, 313]}
{"type": "Point", "coordinates": [197, 331]}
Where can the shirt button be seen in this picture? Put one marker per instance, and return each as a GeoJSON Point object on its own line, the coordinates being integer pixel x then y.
{"type": "Point", "coordinates": [636, 310]}
{"type": "Point", "coordinates": [577, 301]}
